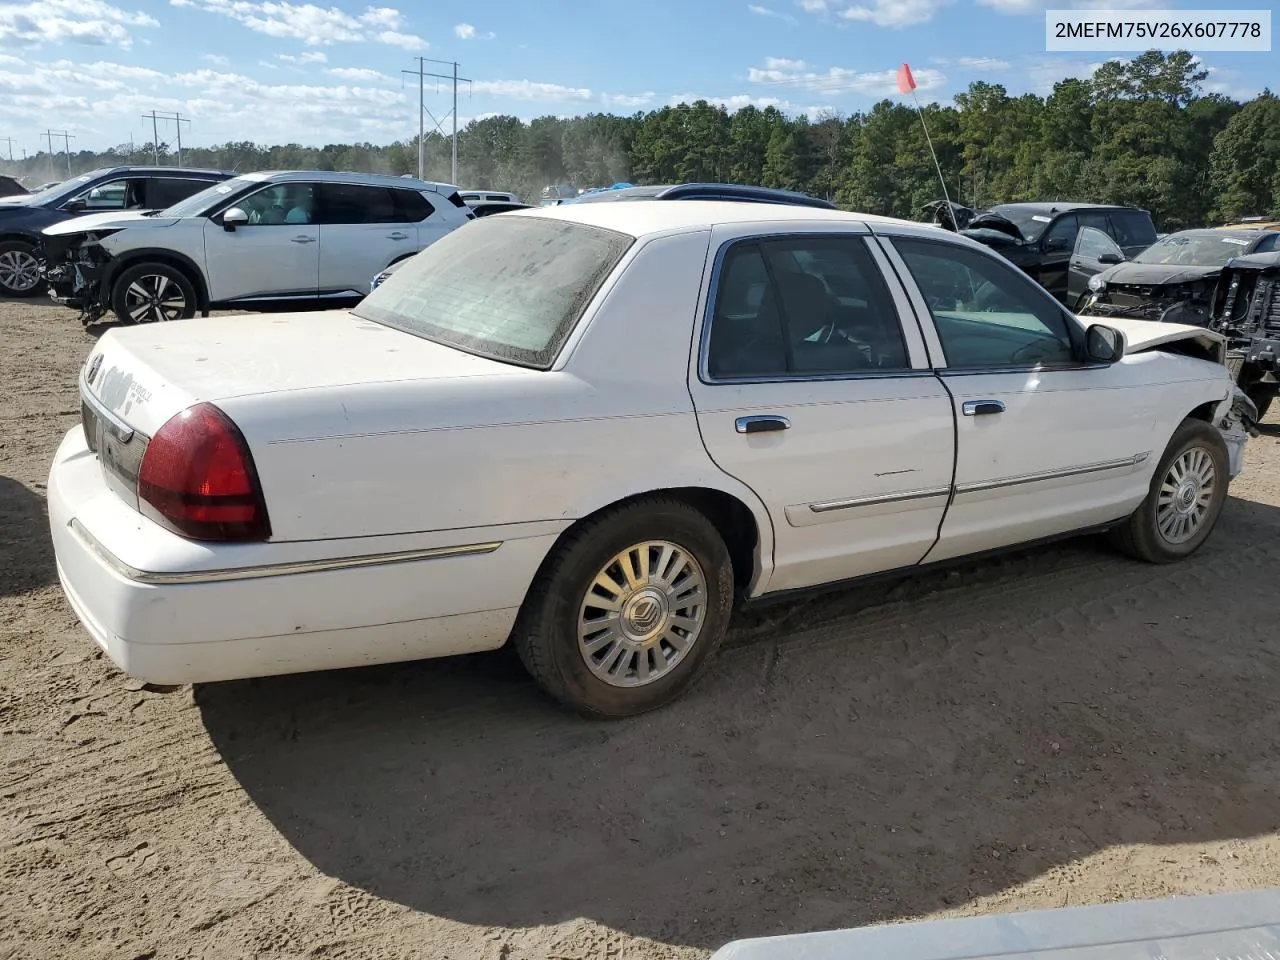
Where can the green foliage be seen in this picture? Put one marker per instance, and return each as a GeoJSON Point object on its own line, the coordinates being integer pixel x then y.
{"type": "Point", "coordinates": [1139, 132]}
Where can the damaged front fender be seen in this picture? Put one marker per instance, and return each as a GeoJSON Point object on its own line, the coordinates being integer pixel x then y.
{"type": "Point", "coordinates": [1237, 420]}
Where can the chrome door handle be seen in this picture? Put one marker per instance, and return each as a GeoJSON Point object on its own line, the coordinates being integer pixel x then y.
{"type": "Point", "coordinates": [397, 236]}
{"type": "Point", "coordinates": [304, 239]}
{"type": "Point", "coordinates": [761, 424]}
{"type": "Point", "coordinates": [981, 408]}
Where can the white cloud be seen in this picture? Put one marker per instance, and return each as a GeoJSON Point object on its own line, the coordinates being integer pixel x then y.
{"type": "Point", "coordinates": [90, 22]}
{"type": "Point", "coordinates": [812, 6]}
{"type": "Point", "coordinates": [982, 63]}
{"type": "Point", "coordinates": [556, 93]}
{"type": "Point", "coordinates": [736, 102]}
{"type": "Point", "coordinates": [782, 63]}
{"type": "Point", "coordinates": [310, 56]}
{"type": "Point", "coordinates": [760, 11]}
{"type": "Point", "coordinates": [358, 74]}
{"type": "Point", "coordinates": [465, 31]}
{"type": "Point", "coordinates": [894, 13]}
{"type": "Point", "coordinates": [1036, 6]}
{"type": "Point", "coordinates": [216, 59]}
{"type": "Point", "coordinates": [312, 24]}
{"type": "Point", "coordinates": [879, 83]}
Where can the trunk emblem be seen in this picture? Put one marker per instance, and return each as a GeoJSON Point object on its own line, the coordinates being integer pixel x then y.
{"type": "Point", "coordinates": [94, 365]}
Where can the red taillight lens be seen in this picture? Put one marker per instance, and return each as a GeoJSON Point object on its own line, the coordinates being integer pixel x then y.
{"type": "Point", "coordinates": [197, 478]}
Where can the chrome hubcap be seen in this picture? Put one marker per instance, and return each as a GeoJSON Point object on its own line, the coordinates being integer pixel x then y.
{"type": "Point", "coordinates": [1185, 495]}
{"type": "Point", "coordinates": [642, 614]}
{"type": "Point", "coordinates": [154, 298]}
{"type": "Point", "coordinates": [19, 270]}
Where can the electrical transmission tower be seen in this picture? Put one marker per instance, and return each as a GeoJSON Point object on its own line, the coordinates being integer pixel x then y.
{"type": "Point", "coordinates": [176, 119]}
{"type": "Point", "coordinates": [421, 74]}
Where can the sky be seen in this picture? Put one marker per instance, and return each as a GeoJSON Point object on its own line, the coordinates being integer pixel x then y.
{"type": "Point", "coordinates": [276, 71]}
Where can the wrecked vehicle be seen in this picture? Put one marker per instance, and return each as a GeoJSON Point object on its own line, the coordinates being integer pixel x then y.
{"type": "Point", "coordinates": [1246, 311]}
{"type": "Point", "coordinates": [1180, 270]}
{"type": "Point", "coordinates": [1041, 237]}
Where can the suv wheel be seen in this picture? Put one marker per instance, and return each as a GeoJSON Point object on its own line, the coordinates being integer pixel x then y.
{"type": "Point", "coordinates": [19, 269]}
{"type": "Point", "coordinates": [152, 293]}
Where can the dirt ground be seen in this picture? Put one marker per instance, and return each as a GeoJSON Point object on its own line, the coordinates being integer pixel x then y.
{"type": "Point", "coordinates": [1059, 727]}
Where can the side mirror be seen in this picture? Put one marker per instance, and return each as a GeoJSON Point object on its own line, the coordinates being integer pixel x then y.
{"type": "Point", "coordinates": [235, 217]}
{"type": "Point", "coordinates": [1103, 344]}
{"type": "Point", "coordinates": [77, 205]}
{"type": "Point", "coordinates": [1110, 257]}
{"type": "Point", "coordinates": [1055, 243]}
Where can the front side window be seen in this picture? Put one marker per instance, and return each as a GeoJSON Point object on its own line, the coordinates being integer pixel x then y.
{"type": "Point", "coordinates": [1061, 235]}
{"type": "Point", "coordinates": [802, 307]}
{"type": "Point", "coordinates": [113, 195]}
{"type": "Point", "coordinates": [987, 314]}
{"type": "Point", "coordinates": [507, 288]}
{"type": "Point", "coordinates": [280, 204]}
{"type": "Point", "coordinates": [1093, 243]}
{"type": "Point", "coordinates": [1267, 244]}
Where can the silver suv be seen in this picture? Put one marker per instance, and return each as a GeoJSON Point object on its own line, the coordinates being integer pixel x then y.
{"type": "Point", "coordinates": [256, 239]}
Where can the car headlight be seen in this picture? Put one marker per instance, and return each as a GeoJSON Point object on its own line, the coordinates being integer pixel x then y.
{"type": "Point", "coordinates": [1097, 284]}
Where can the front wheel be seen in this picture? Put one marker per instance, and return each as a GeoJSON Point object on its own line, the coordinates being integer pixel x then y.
{"type": "Point", "coordinates": [1185, 500]}
{"type": "Point", "coordinates": [152, 293]}
{"type": "Point", "coordinates": [628, 610]}
{"type": "Point", "coordinates": [19, 269]}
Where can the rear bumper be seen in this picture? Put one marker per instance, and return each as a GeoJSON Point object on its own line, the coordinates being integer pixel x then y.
{"type": "Point", "coordinates": [221, 619]}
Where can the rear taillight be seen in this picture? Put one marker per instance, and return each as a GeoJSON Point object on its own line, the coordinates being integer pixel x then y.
{"type": "Point", "coordinates": [197, 478]}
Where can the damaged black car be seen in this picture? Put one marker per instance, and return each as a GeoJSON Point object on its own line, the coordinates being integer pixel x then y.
{"type": "Point", "coordinates": [1246, 310]}
{"type": "Point", "coordinates": [1041, 237]}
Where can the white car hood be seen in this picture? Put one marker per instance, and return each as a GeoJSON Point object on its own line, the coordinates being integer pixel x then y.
{"type": "Point", "coordinates": [98, 221]}
{"type": "Point", "coordinates": [1146, 334]}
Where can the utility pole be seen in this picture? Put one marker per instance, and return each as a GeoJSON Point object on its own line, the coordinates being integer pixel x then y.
{"type": "Point", "coordinates": [66, 143]}
{"type": "Point", "coordinates": [177, 119]}
{"type": "Point", "coordinates": [421, 74]}
{"type": "Point", "coordinates": [9, 141]}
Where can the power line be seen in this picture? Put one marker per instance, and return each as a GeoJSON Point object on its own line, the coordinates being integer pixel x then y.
{"type": "Point", "coordinates": [421, 74]}
{"type": "Point", "coordinates": [9, 141]}
{"type": "Point", "coordinates": [176, 119]}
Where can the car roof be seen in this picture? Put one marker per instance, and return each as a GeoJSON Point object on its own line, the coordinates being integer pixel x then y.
{"type": "Point", "coordinates": [648, 219]}
{"type": "Point", "coordinates": [198, 171]}
{"type": "Point", "coordinates": [344, 176]}
{"type": "Point", "coordinates": [1065, 206]}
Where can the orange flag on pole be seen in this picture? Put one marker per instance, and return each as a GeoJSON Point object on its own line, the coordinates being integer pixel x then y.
{"type": "Point", "coordinates": [906, 82]}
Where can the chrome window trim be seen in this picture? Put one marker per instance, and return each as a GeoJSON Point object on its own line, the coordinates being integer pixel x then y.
{"type": "Point", "coordinates": [227, 574]}
{"type": "Point", "coordinates": [713, 290]}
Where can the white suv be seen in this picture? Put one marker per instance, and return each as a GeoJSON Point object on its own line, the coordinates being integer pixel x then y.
{"type": "Point", "coordinates": [255, 239]}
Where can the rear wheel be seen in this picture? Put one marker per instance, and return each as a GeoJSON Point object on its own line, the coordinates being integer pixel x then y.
{"type": "Point", "coordinates": [628, 610]}
{"type": "Point", "coordinates": [151, 293]}
{"type": "Point", "coordinates": [1185, 499]}
{"type": "Point", "coordinates": [19, 269]}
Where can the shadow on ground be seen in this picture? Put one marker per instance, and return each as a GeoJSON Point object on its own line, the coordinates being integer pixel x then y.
{"type": "Point", "coordinates": [26, 551]}
{"type": "Point", "coordinates": [875, 753]}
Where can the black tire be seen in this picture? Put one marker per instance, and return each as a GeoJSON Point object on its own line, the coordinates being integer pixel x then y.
{"type": "Point", "coordinates": [15, 254]}
{"type": "Point", "coordinates": [546, 631]}
{"type": "Point", "coordinates": [1140, 535]}
{"type": "Point", "coordinates": [153, 278]}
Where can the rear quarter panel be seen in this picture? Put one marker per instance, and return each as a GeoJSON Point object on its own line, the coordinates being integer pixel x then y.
{"type": "Point", "coordinates": [612, 419]}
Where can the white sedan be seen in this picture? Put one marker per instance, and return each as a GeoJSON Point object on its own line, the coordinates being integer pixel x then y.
{"type": "Point", "coordinates": [591, 429]}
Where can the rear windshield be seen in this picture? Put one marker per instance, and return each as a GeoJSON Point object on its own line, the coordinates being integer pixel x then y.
{"type": "Point", "coordinates": [507, 288]}
{"type": "Point", "coordinates": [1194, 249]}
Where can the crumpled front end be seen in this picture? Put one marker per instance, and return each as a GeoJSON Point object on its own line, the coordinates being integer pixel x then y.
{"type": "Point", "coordinates": [74, 265]}
{"type": "Point", "coordinates": [1179, 301]}
{"type": "Point", "coordinates": [1237, 423]}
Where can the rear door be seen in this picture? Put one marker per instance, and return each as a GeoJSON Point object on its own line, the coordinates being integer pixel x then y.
{"type": "Point", "coordinates": [1087, 260]}
{"type": "Point", "coordinates": [361, 232]}
{"type": "Point", "coordinates": [812, 386]}
{"type": "Point", "coordinates": [275, 254]}
{"type": "Point", "coordinates": [162, 192]}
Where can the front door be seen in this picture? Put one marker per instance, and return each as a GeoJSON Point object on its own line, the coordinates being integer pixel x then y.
{"type": "Point", "coordinates": [275, 254]}
{"type": "Point", "coordinates": [1046, 444]}
{"type": "Point", "coordinates": [1055, 246]}
{"type": "Point", "coordinates": [813, 388]}
{"type": "Point", "coordinates": [1094, 252]}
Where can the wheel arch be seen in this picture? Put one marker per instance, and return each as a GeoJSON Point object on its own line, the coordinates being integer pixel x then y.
{"type": "Point", "coordinates": [170, 258]}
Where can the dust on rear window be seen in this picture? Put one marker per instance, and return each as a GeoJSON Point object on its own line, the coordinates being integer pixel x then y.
{"type": "Point", "coordinates": [507, 288]}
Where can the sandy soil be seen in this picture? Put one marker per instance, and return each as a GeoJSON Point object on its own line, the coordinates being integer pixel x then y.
{"type": "Point", "coordinates": [1056, 727]}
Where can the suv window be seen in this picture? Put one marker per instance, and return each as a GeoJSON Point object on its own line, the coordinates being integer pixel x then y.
{"type": "Point", "coordinates": [1094, 243]}
{"type": "Point", "coordinates": [162, 192]}
{"type": "Point", "coordinates": [113, 195]}
{"type": "Point", "coordinates": [355, 203]}
{"type": "Point", "coordinates": [411, 206]}
{"type": "Point", "coordinates": [987, 313]}
{"type": "Point", "coordinates": [1061, 234]}
{"type": "Point", "coordinates": [1132, 228]}
{"type": "Point", "coordinates": [1267, 244]}
{"type": "Point", "coordinates": [803, 306]}
{"type": "Point", "coordinates": [280, 203]}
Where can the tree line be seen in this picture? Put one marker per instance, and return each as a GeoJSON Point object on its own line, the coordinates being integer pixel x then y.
{"type": "Point", "coordinates": [1141, 132]}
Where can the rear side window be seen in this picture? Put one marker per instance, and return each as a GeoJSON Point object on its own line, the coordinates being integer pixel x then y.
{"type": "Point", "coordinates": [802, 307]}
{"type": "Point", "coordinates": [1267, 244]}
{"type": "Point", "coordinates": [354, 203]}
{"type": "Point", "coordinates": [163, 192]}
{"type": "Point", "coordinates": [411, 206]}
{"type": "Point", "coordinates": [508, 288]}
{"type": "Point", "coordinates": [1132, 228]}
{"type": "Point", "coordinates": [456, 200]}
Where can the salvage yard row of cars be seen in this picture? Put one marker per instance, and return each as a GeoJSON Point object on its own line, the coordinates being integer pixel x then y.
{"type": "Point", "coordinates": [593, 430]}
